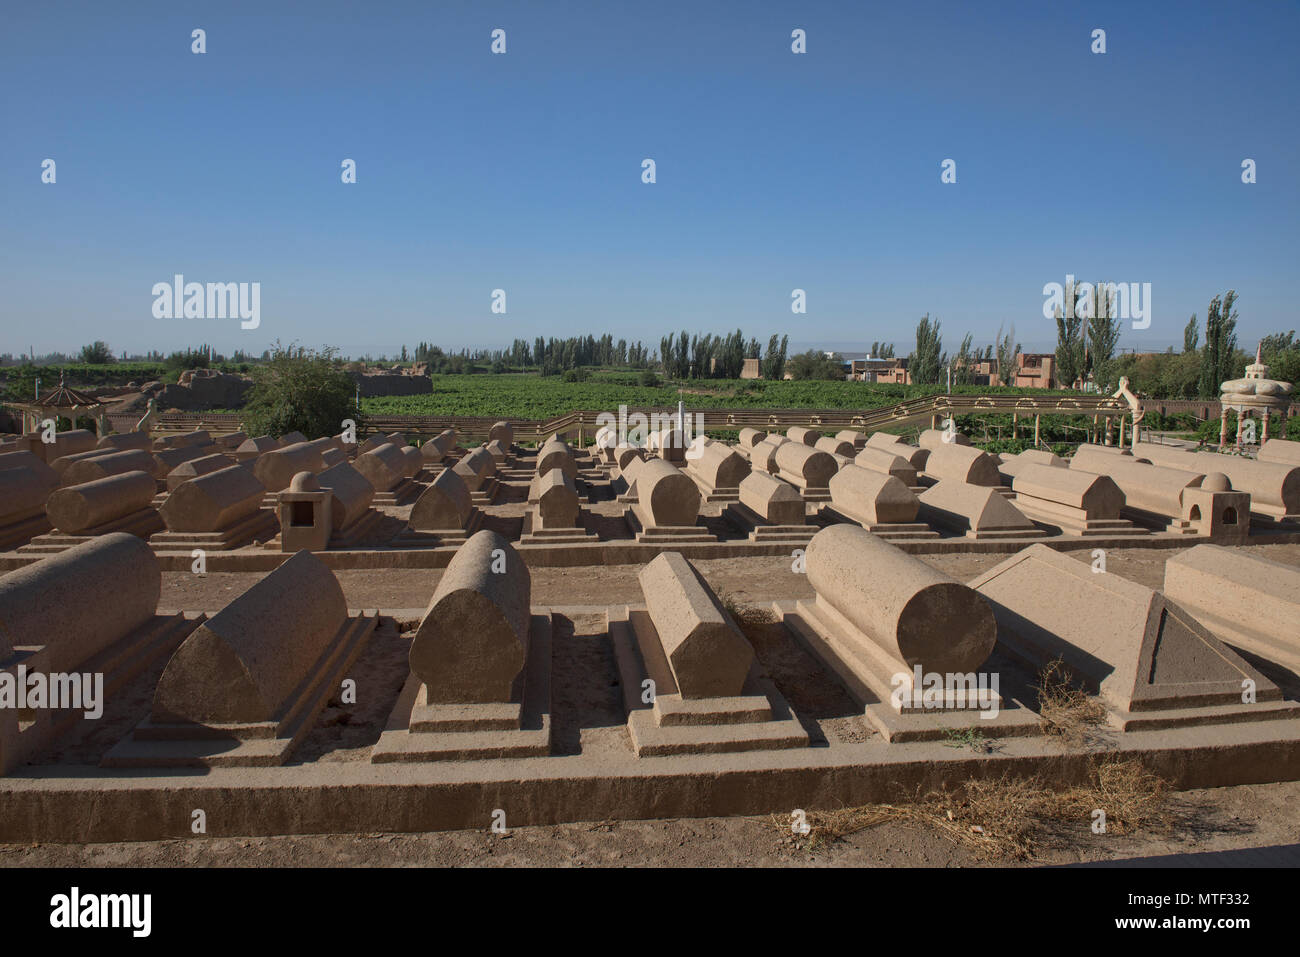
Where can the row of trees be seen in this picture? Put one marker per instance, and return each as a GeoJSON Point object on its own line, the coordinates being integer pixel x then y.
{"type": "Point", "coordinates": [309, 390]}
{"type": "Point", "coordinates": [684, 356]}
{"type": "Point", "coordinates": [1087, 351]}
{"type": "Point", "coordinates": [1088, 340]}
{"type": "Point", "coordinates": [557, 355]}
{"type": "Point", "coordinates": [1082, 352]}
{"type": "Point", "coordinates": [1205, 364]}
{"type": "Point", "coordinates": [1200, 369]}
{"type": "Point", "coordinates": [720, 357]}
{"type": "Point", "coordinates": [98, 353]}
{"type": "Point", "coordinates": [928, 364]}
{"type": "Point", "coordinates": [707, 356]}
{"type": "Point", "coordinates": [552, 356]}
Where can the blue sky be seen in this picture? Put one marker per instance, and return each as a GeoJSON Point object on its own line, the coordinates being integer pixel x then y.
{"type": "Point", "coordinates": [523, 171]}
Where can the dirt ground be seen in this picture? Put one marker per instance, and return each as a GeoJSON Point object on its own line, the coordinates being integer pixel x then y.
{"type": "Point", "coordinates": [746, 581]}
{"type": "Point", "coordinates": [1218, 819]}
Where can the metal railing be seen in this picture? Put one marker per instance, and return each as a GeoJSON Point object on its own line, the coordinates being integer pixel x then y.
{"type": "Point", "coordinates": [582, 424]}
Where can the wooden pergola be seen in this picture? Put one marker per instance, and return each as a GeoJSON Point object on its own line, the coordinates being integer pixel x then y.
{"type": "Point", "coordinates": [65, 402]}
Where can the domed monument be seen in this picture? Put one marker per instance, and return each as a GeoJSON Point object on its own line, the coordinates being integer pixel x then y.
{"type": "Point", "coordinates": [1255, 395]}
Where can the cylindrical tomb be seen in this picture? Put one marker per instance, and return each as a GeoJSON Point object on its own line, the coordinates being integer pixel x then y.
{"type": "Point", "coordinates": [383, 466]}
{"type": "Point", "coordinates": [351, 495]}
{"type": "Point", "coordinates": [774, 501]}
{"type": "Point", "coordinates": [114, 463]}
{"type": "Point", "coordinates": [81, 600]}
{"type": "Point", "coordinates": [556, 455]}
{"type": "Point", "coordinates": [720, 466]}
{"type": "Point", "coordinates": [666, 496]}
{"type": "Point", "coordinates": [937, 438]}
{"type": "Point", "coordinates": [245, 663]}
{"type": "Point", "coordinates": [473, 640]}
{"type": "Point", "coordinates": [886, 462]}
{"type": "Point", "coordinates": [413, 459]}
{"type": "Point", "coordinates": [963, 463]}
{"type": "Point", "coordinates": [916, 614]}
{"type": "Point", "coordinates": [80, 508]}
{"type": "Point", "coordinates": [804, 466]}
{"type": "Point", "coordinates": [276, 469]}
{"type": "Point", "coordinates": [214, 501]}
{"type": "Point", "coordinates": [557, 501]}
{"type": "Point", "coordinates": [444, 506]}
{"type": "Point", "coordinates": [836, 446]}
{"type": "Point", "coordinates": [250, 449]}
{"type": "Point", "coordinates": [126, 440]}
{"type": "Point", "coordinates": [872, 497]}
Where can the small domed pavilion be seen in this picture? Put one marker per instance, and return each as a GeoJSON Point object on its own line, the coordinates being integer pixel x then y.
{"type": "Point", "coordinates": [1255, 395]}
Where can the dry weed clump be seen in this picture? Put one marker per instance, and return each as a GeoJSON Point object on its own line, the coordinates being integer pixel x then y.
{"type": "Point", "coordinates": [1013, 818]}
{"type": "Point", "coordinates": [754, 622]}
{"type": "Point", "coordinates": [1067, 713]}
{"type": "Point", "coordinates": [744, 614]}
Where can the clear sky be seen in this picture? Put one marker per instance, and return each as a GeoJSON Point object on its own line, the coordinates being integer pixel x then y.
{"type": "Point", "coordinates": [522, 171]}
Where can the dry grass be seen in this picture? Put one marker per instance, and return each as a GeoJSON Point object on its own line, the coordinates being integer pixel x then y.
{"type": "Point", "coordinates": [1013, 818]}
{"type": "Point", "coordinates": [1068, 714]}
{"type": "Point", "coordinates": [744, 614]}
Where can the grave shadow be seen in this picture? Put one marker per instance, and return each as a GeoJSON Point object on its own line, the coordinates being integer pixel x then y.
{"type": "Point", "coordinates": [585, 690]}
{"type": "Point", "coordinates": [815, 694]}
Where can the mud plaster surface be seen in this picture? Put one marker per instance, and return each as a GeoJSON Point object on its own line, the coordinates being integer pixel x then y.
{"type": "Point", "coordinates": [589, 720]}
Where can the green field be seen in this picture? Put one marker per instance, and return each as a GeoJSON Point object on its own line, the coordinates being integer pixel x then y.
{"type": "Point", "coordinates": [526, 396]}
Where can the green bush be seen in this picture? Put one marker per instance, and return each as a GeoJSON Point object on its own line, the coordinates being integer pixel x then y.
{"type": "Point", "coordinates": [986, 428]}
{"type": "Point", "coordinates": [1009, 446]}
{"type": "Point", "coordinates": [301, 390]}
{"type": "Point", "coordinates": [1208, 431]}
{"type": "Point", "coordinates": [97, 353]}
{"type": "Point", "coordinates": [1177, 422]}
{"type": "Point", "coordinates": [815, 365]}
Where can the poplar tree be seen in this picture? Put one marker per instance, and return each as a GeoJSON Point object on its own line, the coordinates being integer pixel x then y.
{"type": "Point", "coordinates": [1220, 344]}
{"type": "Point", "coordinates": [926, 363]}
